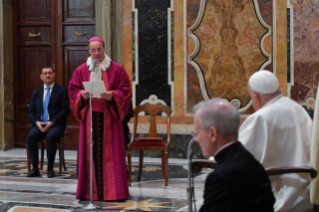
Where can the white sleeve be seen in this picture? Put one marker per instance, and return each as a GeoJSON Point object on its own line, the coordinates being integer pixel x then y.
{"type": "Point", "coordinates": [253, 135]}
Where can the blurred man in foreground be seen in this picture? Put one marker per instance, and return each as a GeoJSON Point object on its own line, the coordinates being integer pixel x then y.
{"type": "Point", "coordinates": [239, 183]}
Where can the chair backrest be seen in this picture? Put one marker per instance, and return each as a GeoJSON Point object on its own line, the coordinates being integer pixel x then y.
{"type": "Point", "coordinates": [314, 154]}
{"type": "Point", "coordinates": [152, 109]}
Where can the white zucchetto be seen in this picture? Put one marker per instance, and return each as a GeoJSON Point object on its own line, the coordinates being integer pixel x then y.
{"type": "Point", "coordinates": [264, 82]}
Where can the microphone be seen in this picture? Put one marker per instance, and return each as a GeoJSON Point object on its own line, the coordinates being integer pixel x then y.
{"type": "Point", "coordinates": [189, 149]}
{"type": "Point", "coordinates": [93, 65]}
{"type": "Point", "coordinates": [92, 74]}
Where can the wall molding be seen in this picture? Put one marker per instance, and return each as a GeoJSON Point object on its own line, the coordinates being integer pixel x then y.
{"type": "Point", "coordinates": [290, 7]}
{"type": "Point", "coordinates": [170, 55]}
{"type": "Point", "coordinates": [135, 52]}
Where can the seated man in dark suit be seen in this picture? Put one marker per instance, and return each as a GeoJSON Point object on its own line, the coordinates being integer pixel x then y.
{"type": "Point", "coordinates": [48, 112]}
{"type": "Point", "coordinates": [240, 182]}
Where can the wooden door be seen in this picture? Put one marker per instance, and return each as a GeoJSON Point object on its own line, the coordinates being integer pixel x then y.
{"type": "Point", "coordinates": [34, 47]}
{"type": "Point", "coordinates": [76, 25]}
{"type": "Point", "coordinates": [48, 32]}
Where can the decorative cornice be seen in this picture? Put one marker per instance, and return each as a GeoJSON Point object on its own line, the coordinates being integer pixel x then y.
{"type": "Point", "coordinates": [7, 2]}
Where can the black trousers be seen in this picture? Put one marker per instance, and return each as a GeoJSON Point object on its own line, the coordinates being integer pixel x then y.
{"type": "Point", "coordinates": [52, 136]}
{"type": "Point", "coordinates": [98, 133]}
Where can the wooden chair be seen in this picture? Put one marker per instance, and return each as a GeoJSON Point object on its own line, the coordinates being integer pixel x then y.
{"type": "Point", "coordinates": [60, 144]}
{"type": "Point", "coordinates": [152, 142]}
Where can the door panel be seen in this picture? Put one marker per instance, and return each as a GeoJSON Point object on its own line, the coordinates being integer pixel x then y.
{"type": "Point", "coordinates": [33, 51]}
{"type": "Point", "coordinates": [34, 35]}
{"type": "Point", "coordinates": [32, 59]}
{"type": "Point", "coordinates": [76, 27]}
{"type": "Point", "coordinates": [34, 11]}
{"type": "Point", "coordinates": [79, 10]}
{"type": "Point", "coordinates": [74, 56]}
{"type": "Point", "coordinates": [78, 33]}
{"type": "Point", "coordinates": [23, 116]}
{"type": "Point", "coordinates": [58, 39]}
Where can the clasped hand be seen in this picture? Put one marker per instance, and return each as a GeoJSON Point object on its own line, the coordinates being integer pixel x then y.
{"type": "Point", "coordinates": [107, 96]}
{"type": "Point", "coordinates": [43, 127]}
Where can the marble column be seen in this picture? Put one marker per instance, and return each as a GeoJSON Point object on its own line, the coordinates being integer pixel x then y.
{"type": "Point", "coordinates": [103, 23]}
{"type": "Point", "coordinates": [108, 20]}
{"type": "Point", "coordinates": [6, 75]}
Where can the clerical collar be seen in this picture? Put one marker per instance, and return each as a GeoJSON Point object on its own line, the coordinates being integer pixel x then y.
{"type": "Point", "coordinates": [224, 147]}
{"type": "Point", "coordinates": [51, 86]}
{"type": "Point", "coordinates": [104, 64]}
{"type": "Point", "coordinates": [273, 100]}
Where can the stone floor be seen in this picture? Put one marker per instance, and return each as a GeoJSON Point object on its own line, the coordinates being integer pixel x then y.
{"type": "Point", "coordinates": [19, 193]}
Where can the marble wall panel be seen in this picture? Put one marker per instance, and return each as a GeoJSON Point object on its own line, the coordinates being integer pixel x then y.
{"type": "Point", "coordinates": [230, 34]}
{"type": "Point", "coordinates": [179, 74]}
{"type": "Point", "coordinates": [194, 94]}
{"type": "Point", "coordinates": [265, 8]}
{"type": "Point", "coordinates": [153, 50]}
{"type": "Point", "coordinates": [192, 11]}
{"type": "Point", "coordinates": [306, 49]}
{"type": "Point", "coordinates": [266, 12]}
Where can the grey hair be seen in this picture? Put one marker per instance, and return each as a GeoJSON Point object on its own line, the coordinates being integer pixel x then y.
{"type": "Point", "coordinates": [225, 118]}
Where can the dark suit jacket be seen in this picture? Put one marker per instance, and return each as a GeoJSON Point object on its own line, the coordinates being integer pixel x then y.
{"type": "Point", "coordinates": [59, 105]}
{"type": "Point", "coordinates": [239, 183]}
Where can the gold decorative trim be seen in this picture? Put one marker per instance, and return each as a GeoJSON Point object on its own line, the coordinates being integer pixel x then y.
{"type": "Point", "coordinates": [34, 35]}
{"type": "Point", "coordinates": [81, 34]}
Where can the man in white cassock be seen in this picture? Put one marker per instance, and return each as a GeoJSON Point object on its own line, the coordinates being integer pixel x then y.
{"type": "Point", "coordinates": [279, 134]}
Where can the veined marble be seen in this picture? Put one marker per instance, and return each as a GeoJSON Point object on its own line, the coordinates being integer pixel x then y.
{"type": "Point", "coordinates": [306, 49]}
{"type": "Point", "coordinates": [229, 54]}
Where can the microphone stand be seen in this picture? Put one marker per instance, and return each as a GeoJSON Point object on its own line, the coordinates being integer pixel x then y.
{"type": "Point", "coordinates": [91, 205]}
{"type": "Point", "coordinates": [190, 188]}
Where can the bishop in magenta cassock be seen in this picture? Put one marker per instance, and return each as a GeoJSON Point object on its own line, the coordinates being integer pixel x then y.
{"type": "Point", "coordinates": [109, 166]}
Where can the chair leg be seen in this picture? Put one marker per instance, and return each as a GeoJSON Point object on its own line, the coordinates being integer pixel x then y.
{"type": "Point", "coordinates": [129, 167]}
{"type": "Point", "coordinates": [166, 167]}
{"type": "Point", "coordinates": [62, 151]}
{"type": "Point", "coordinates": [42, 155]}
{"type": "Point", "coordinates": [60, 158]}
{"type": "Point", "coordinates": [28, 157]}
{"type": "Point", "coordinates": [163, 162]}
{"type": "Point", "coordinates": [140, 165]}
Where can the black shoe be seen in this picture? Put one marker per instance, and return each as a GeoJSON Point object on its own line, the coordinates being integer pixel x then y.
{"type": "Point", "coordinates": [35, 172]}
{"type": "Point", "coordinates": [51, 173]}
